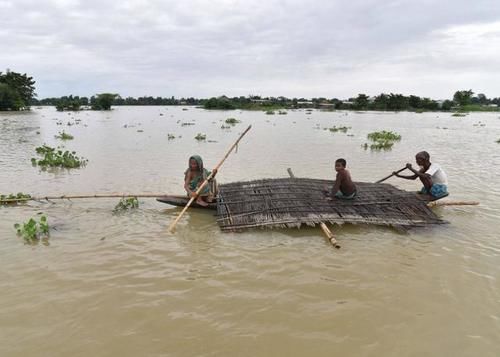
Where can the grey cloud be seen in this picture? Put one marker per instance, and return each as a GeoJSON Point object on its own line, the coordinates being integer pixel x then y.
{"type": "Point", "coordinates": [204, 48]}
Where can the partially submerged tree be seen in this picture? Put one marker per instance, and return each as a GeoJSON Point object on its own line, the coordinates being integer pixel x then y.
{"type": "Point", "coordinates": [463, 97]}
{"type": "Point", "coordinates": [9, 98]}
{"type": "Point", "coordinates": [16, 90]}
{"type": "Point", "coordinates": [103, 101]}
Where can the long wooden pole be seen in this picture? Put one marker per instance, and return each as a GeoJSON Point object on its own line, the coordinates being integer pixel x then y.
{"type": "Point", "coordinates": [388, 177]}
{"type": "Point", "coordinates": [171, 228]}
{"type": "Point", "coordinates": [69, 197]}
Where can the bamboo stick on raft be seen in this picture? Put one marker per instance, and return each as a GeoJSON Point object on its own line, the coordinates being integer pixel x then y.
{"type": "Point", "coordinates": [452, 203]}
{"type": "Point", "coordinates": [328, 233]}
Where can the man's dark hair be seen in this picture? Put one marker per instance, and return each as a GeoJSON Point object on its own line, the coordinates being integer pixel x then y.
{"type": "Point", "coordinates": [342, 162]}
{"type": "Point", "coordinates": [424, 154]}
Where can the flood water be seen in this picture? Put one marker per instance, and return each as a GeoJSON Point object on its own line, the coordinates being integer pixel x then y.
{"type": "Point", "coordinates": [109, 284]}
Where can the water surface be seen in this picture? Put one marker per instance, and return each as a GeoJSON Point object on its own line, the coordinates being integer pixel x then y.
{"type": "Point", "coordinates": [119, 284]}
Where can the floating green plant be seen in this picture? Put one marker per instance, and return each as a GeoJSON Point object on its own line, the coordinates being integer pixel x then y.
{"type": "Point", "coordinates": [282, 112]}
{"type": "Point", "coordinates": [458, 114]}
{"type": "Point", "coordinates": [187, 124]}
{"type": "Point", "coordinates": [200, 137]}
{"type": "Point", "coordinates": [52, 157]}
{"type": "Point", "coordinates": [270, 112]}
{"type": "Point", "coordinates": [33, 230]}
{"type": "Point", "coordinates": [126, 203]}
{"type": "Point", "coordinates": [64, 136]}
{"type": "Point", "coordinates": [232, 121]}
{"type": "Point", "coordinates": [13, 199]}
{"type": "Point", "coordinates": [170, 136]}
{"type": "Point", "coordinates": [382, 140]}
{"type": "Point", "coordinates": [384, 135]}
{"type": "Point", "coordinates": [342, 129]}
{"type": "Point", "coordinates": [498, 141]}
{"type": "Point", "coordinates": [225, 126]}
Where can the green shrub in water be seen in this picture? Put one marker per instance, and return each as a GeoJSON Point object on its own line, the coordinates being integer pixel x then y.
{"type": "Point", "coordinates": [382, 140]}
{"type": "Point", "coordinates": [126, 203]}
{"type": "Point", "coordinates": [200, 137]}
{"type": "Point", "coordinates": [270, 112]}
{"type": "Point", "coordinates": [63, 136]}
{"type": "Point", "coordinates": [33, 230]}
{"type": "Point", "coordinates": [57, 158]}
{"type": "Point", "coordinates": [232, 121]}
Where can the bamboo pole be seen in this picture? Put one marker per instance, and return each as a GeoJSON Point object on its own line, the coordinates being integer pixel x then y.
{"type": "Point", "coordinates": [328, 233]}
{"type": "Point", "coordinates": [171, 228]}
{"type": "Point", "coordinates": [70, 197]}
{"type": "Point", "coordinates": [452, 203]}
{"type": "Point", "coordinates": [388, 177]}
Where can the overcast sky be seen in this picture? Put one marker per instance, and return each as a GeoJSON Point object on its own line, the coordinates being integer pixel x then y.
{"type": "Point", "coordinates": [293, 48]}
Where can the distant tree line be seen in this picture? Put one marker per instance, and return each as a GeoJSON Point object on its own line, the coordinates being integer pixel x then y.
{"type": "Point", "coordinates": [462, 100]}
{"type": "Point", "coordinates": [17, 92]}
{"type": "Point", "coordinates": [102, 101]}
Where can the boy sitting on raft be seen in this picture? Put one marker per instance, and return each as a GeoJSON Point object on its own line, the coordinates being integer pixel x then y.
{"type": "Point", "coordinates": [194, 176]}
{"type": "Point", "coordinates": [431, 175]}
{"type": "Point", "coordinates": [343, 188]}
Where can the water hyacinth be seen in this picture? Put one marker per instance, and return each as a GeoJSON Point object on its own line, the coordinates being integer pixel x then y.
{"type": "Point", "coordinates": [52, 157]}
{"type": "Point", "coordinates": [126, 203]}
{"type": "Point", "coordinates": [382, 140]}
{"type": "Point", "coordinates": [64, 136]}
{"type": "Point", "coordinates": [33, 230]}
{"type": "Point", "coordinates": [232, 121]}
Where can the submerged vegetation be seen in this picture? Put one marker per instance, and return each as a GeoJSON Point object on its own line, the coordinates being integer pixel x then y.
{"type": "Point", "coordinates": [126, 203]}
{"type": "Point", "coordinates": [342, 129]}
{"type": "Point", "coordinates": [33, 230]}
{"type": "Point", "coordinates": [14, 199]}
{"type": "Point", "coordinates": [232, 121]}
{"type": "Point", "coordinates": [64, 136]}
{"type": "Point", "coordinates": [52, 157]}
{"type": "Point", "coordinates": [382, 140]}
{"type": "Point", "coordinates": [70, 103]}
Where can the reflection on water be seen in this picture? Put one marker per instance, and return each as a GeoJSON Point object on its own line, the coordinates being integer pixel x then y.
{"type": "Point", "coordinates": [120, 284]}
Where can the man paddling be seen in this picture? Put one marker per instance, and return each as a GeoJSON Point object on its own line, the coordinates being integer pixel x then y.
{"type": "Point", "coordinates": [431, 175]}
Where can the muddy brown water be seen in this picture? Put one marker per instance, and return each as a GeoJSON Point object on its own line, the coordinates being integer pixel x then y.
{"type": "Point", "coordinates": [109, 284]}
